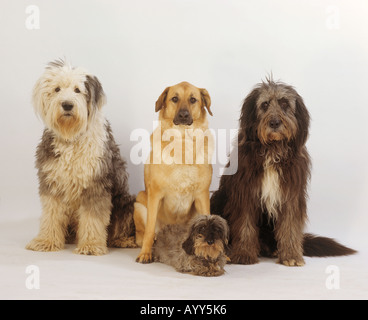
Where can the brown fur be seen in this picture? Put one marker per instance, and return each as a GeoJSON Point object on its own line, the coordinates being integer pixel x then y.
{"type": "Point", "coordinates": [264, 202]}
{"type": "Point", "coordinates": [175, 192]}
{"type": "Point", "coordinates": [198, 248]}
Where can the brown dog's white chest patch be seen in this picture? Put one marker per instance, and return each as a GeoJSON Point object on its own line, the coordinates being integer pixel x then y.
{"type": "Point", "coordinates": [271, 193]}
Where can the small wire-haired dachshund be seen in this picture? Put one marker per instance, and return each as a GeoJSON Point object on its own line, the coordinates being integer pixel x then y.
{"type": "Point", "coordinates": [198, 248]}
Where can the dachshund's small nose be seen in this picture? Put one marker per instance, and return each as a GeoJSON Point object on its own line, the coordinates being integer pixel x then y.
{"type": "Point", "coordinates": [210, 242]}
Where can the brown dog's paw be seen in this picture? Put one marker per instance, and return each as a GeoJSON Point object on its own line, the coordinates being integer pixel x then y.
{"type": "Point", "coordinates": [91, 250]}
{"type": "Point", "coordinates": [144, 258]}
{"type": "Point", "coordinates": [123, 242]}
{"type": "Point", "coordinates": [44, 245]}
{"type": "Point", "coordinates": [243, 259]}
{"type": "Point", "coordinates": [292, 262]}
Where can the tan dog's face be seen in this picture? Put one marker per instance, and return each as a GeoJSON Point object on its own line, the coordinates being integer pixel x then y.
{"type": "Point", "coordinates": [184, 104]}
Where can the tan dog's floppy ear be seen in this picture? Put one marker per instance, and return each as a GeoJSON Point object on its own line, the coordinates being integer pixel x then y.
{"type": "Point", "coordinates": [206, 100]}
{"type": "Point", "coordinates": [161, 99]}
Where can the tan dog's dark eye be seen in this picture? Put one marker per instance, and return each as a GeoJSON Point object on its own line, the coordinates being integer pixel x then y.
{"type": "Point", "coordinates": [193, 100]}
{"type": "Point", "coordinates": [174, 99]}
{"type": "Point", "coordinates": [57, 89]}
{"type": "Point", "coordinates": [76, 90]}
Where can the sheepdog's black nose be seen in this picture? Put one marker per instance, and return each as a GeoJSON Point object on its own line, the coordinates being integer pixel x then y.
{"type": "Point", "coordinates": [67, 106]}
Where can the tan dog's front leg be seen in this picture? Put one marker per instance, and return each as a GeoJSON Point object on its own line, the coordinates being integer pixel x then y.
{"type": "Point", "coordinates": [153, 200]}
{"type": "Point", "coordinates": [202, 203]}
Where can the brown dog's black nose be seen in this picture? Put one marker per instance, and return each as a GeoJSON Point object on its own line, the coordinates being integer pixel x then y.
{"type": "Point", "coordinates": [67, 106]}
{"type": "Point", "coordinates": [274, 123]}
{"type": "Point", "coordinates": [210, 241]}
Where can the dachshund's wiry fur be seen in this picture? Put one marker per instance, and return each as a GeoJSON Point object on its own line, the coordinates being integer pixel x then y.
{"type": "Point", "coordinates": [83, 182]}
{"type": "Point", "coordinates": [264, 202]}
{"type": "Point", "coordinates": [198, 248]}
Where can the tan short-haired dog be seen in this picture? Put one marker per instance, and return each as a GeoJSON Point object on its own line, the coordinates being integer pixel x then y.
{"type": "Point", "coordinates": [178, 173]}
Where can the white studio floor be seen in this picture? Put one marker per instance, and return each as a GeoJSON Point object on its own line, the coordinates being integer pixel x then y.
{"type": "Point", "coordinates": [65, 275]}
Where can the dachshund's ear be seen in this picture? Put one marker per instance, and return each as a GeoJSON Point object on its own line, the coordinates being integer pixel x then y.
{"type": "Point", "coordinates": [206, 99]}
{"type": "Point", "coordinates": [188, 245]}
{"type": "Point", "coordinates": [161, 99]}
{"type": "Point", "coordinates": [303, 118]}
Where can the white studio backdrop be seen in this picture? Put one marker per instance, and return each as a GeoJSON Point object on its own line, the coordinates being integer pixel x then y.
{"type": "Point", "coordinates": [138, 48]}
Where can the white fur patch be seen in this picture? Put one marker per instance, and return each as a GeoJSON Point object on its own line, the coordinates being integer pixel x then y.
{"type": "Point", "coordinates": [78, 162]}
{"type": "Point", "coordinates": [271, 193]}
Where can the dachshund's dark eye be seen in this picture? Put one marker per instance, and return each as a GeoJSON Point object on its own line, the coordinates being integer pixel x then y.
{"type": "Point", "coordinates": [284, 104]}
{"type": "Point", "coordinates": [193, 100]}
{"type": "Point", "coordinates": [265, 105]}
{"type": "Point", "coordinates": [57, 89]}
{"type": "Point", "coordinates": [175, 99]}
{"type": "Point", "coordinates": [76, 90]}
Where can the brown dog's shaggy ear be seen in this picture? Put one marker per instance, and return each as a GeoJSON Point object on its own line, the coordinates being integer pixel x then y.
{"type": "Point", "coordinates": [161, 100]}
{"type": "Point", "coordinates": [95, 93]}
{"type": "Point", "coordinates": [188, 245]}
{"type": "Point", "coordinates": [248, 117]}
{"type": "Point", "coordinates": [206, 100]}
{"type": "Point", "coordinates": [303, 118]}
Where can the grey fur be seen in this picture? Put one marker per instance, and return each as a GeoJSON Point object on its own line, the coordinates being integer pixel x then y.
{"type": "Point", "coordinates": [170, 246]}
{"type": "Point", "coordinates": [111, 183]}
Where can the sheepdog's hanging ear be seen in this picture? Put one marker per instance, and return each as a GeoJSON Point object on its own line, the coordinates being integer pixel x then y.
{"type": "Point", "coordinates": [38, 98]}
{"type": "Point", "coordinates": [160, 103]}
{"type": "Point", "coordinates": [206, 99]}
{"type": "Point", "coordinates": [95, 94]}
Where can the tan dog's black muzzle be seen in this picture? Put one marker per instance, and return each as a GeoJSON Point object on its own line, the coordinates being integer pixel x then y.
{"type": "Point", "coordinates": [183, 116]}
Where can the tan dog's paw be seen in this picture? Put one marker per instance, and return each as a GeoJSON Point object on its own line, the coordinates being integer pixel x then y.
{"type": "Point", "coordinates": [292, 262]}
{"type": "Point", "coordinates": [44, 245]}
{"type": "Point", "coordinates": [144, 257]}
{"type": "Point", "coordinates": [91, 249]}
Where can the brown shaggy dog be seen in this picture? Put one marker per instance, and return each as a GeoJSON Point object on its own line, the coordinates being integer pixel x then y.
{"type": "Point", "coordinates": [197, 247]}
{"type": "Point", "coordinates": [264, 202]}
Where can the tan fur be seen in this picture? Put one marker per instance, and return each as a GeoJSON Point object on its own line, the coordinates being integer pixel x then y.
{"type": "Point", "coordinates": [175, 189]}
{"type": "Point", "coordinates": [78, 163]}
{"type": "Point", "coordinates": [206, 251]}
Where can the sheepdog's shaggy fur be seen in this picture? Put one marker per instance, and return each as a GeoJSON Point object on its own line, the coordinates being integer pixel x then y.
{"type": "Point", "coordinates": [264, 202]}
{"type": "Point", "coordinates": [198, 247]}
{"type": "Point", "coordinates": [83, 183]}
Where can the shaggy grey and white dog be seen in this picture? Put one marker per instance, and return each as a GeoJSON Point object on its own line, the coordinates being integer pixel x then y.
{"type": "Point", "coordinates": [83, 183]}
{"type": "Point", "coordinates": [198, 248]}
